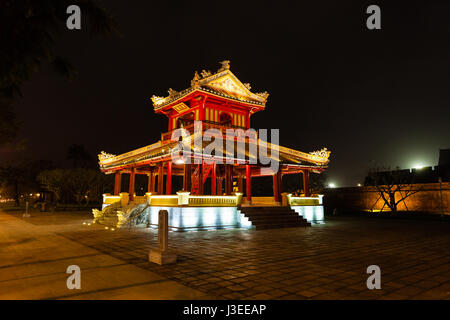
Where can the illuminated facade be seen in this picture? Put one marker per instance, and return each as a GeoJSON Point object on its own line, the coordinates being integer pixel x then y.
{"type": "Point", "coordinates": [218, 101]}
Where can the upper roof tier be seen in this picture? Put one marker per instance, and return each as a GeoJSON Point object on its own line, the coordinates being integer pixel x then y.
{"type": "Point", "coordinates": [223, 83]}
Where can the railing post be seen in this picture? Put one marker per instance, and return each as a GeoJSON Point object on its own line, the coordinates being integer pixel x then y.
{"type": "Point", "coordinates": [124, 198]}
{"type": "Point", "coordinates": [183, 198]}
{"type": "Point", "coordinates": [149, 197]}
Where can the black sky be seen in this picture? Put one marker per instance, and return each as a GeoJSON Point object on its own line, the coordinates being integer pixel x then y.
{"type": "Point", "coordinates": [372, 97]}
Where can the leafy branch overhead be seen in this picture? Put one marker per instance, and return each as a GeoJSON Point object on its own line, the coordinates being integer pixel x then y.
{"type": "Point", "coordinates": [28, 30]}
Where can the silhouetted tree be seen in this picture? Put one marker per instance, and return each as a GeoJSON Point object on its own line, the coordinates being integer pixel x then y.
{"type": "Point", "coordinates": [54, 181]}
{"type": "Point", "coordinates": [27, 39]}
{"type": "Point", "coordinates": [13, 177]}
{"type": "Point", "coordinates": [21, 178]}
{"type": "Point", "coordinates": [393, 186]}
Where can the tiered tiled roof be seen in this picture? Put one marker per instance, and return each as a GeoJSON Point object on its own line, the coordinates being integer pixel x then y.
{"type": "Point", "coordinates": [222, 83]}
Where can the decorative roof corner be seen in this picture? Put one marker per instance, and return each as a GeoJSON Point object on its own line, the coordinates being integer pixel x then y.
{"type": "Point", "coordinates": [157, 100]}
{"type": "Point", "coordinates": [103, 156]}
{"type": "Point", "coordinates": [323, 153]}
{"type": "Point", "coordinates": [263, 95]}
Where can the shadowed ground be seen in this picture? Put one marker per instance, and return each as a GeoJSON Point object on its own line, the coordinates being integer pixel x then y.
{"type": "Point", "coordinates": [321, 262]}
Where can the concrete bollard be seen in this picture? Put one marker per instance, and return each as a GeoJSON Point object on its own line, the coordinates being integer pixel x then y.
{"type": "Point", "coordinates": [161, 255]}
{"type": "Point", "coordinates": [26, 214]}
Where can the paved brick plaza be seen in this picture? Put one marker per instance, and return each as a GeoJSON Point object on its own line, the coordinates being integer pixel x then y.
{"type": "Point", "coordinates": [321, 262]}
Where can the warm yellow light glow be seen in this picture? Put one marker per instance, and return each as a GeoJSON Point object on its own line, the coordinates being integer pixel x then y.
{"type": "Point", "coordinates": [359, 185]}
{"type": "Point", "coordinates": [179, 161]}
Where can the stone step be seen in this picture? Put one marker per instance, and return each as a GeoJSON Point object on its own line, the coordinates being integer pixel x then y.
{"type": "Point", "coordinates": [273, 217]}
{"type": "Point", "coordinates": [282, 225]}
{"type": "Point", "coordinates": [265, 208]}
{"type": "Point", "coordinates": [269, 213]}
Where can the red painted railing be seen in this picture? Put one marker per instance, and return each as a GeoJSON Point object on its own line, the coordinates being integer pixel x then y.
{"type": "Point", "coordinates": [206, 125]}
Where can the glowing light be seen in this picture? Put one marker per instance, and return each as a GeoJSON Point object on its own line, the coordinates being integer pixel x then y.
{"type": "Point", "coordinates": [179, 161]}
{"type": "Point", "coordinates": [313, 214]}
{"type": "Point", "coordinates": [331, 185]}
{"type": "Point", "coordinates": [359, 185]}
{"type": "Point", "coordinates": [106, 228]}
{"type": "Point", "coordinates": [418, 166]}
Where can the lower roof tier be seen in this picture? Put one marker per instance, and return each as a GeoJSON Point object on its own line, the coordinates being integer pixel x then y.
{"type": "Point", "coordinates": [247, 151]}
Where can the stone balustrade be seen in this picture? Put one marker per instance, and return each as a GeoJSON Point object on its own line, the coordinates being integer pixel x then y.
{"type": "Point", "coordinates": [288, 199]}
{"type": "Point", "coordinates": [181, 199]}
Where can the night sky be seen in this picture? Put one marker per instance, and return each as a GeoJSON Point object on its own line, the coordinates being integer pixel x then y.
{"type": "Point", "coordinates": [372, 97]}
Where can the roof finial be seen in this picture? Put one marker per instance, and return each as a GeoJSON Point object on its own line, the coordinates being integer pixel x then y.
{"type": "Point", "coordinates": [225, 65]}
{"type": "Point", "coordinates": [194, 82]}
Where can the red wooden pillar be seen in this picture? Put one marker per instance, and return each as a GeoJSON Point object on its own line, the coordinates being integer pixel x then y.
{"type": "Point", "coordinates": [306, 189]}
{"type": "Point", "coordinates": [228, 179]}
{"type": "Point", "coordinates": [151, 182]}
{"type": "Point", "coordinates": [214, 180]}
{"type": "Point", "coordinates": [280, 182]}
{"type": "Point", "coordinates": [169, 178]}
{"type": "Point", "coordinates": [161, 178]}
{"type": "Point", "coordinates": [131, 189]}
{"type": "Point", "coordinates": [248, 174]}
{"type": "Point", "coordinates": [187, 177]}
{"type": "Point", "coordinates": [275, 188]}
{"type": "Point", "coordinates": [201, 186]}
{"type": "Point", "coordinates": [240, 183]}
{"type": "Point", "coordinates": [117, 183]}
{"type": "Point", "coordinates": [219, 186]}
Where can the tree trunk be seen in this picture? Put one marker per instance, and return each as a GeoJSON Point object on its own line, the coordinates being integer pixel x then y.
{"type": "Point", "coordinates": [392, 203]}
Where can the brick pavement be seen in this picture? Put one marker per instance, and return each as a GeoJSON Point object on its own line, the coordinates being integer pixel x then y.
{"type": "Point", "coordinates": [321, 262]}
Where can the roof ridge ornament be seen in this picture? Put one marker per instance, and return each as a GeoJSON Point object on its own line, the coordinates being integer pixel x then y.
{"type": "Point", "coordinates": [157, 99]}
{"type": "Point", "coordinates": [263, 95]}
{"type": "Point", "coordinates": [103, 156]}
{"type": "Point", "coordinates": [205, 73]}
{"type": "Point", "coordinates": [323, 153]}
{"type": "Point", "coordinates": [172, 93]}
{"type": "Point", "coordinates": [194, 82]}
{"type": "Point", "coordinates": [225, 65]}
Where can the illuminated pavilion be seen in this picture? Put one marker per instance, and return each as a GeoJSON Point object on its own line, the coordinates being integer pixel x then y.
{"type": "Point", "coordinates": [218, 101]}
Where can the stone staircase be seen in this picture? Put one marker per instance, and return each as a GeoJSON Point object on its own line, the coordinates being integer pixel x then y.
{"type": "Point", "coordinates": [274, 217]}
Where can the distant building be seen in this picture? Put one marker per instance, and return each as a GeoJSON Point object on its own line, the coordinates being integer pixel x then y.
{"type": "Point", "coordinates": [444, 157]}
{"type": "Point", "coordinates": [423, 175]}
